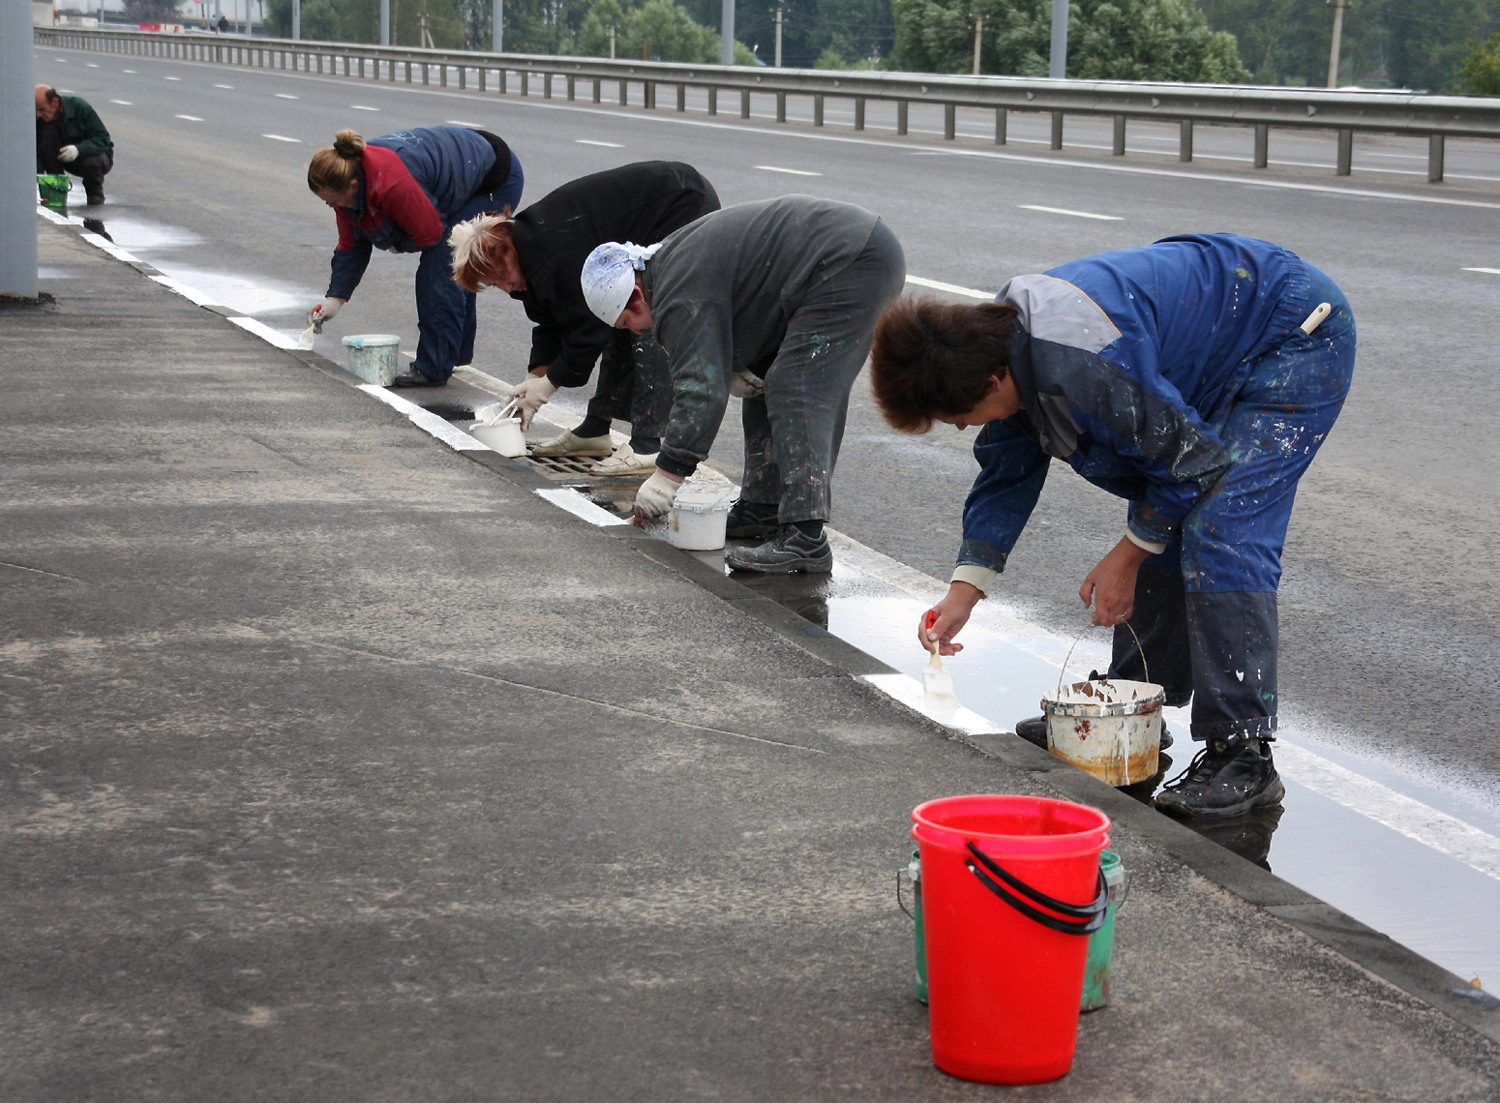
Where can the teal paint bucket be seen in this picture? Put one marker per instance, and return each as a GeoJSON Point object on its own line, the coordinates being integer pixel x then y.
{"type": "Point", "coordinates": [372, 357]}
{"type": "Point", "coordinates": [913, 871]}
{"type": "Point", "coordinates": [1100, 961]}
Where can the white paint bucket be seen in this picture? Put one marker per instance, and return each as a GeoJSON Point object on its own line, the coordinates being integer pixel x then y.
{"type": "Point", "coordinates": [699, 516]}
{"type": "Point", "coordinates": [504, 436]}
{"type": "Point", "coordinates": [1110, 727]}
{"type": "Point", "coordinates": [372, 357]}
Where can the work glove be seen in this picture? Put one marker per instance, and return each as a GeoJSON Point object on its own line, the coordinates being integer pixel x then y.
{"type": "Point", "coordinates": [655, 496]}
{"type": "Point", "coordinates": [68, 154]}
{"type": "Point", "coordinates": [322, 312]}
{"type": "Point", "coordinates": [531, 396]}
{"type": "Point", "coordinates": [743, 384]}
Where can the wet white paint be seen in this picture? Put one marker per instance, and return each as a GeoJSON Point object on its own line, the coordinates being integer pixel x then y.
{"type": "Point", "coordinates": [566, 498]}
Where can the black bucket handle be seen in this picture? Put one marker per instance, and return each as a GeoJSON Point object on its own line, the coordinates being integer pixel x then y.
{"type": "Point", "coordinates": [1082, 918]}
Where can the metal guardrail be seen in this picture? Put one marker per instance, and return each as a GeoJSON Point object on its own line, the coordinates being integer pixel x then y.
{"type": "Point", "coordinates": [1344, 111]}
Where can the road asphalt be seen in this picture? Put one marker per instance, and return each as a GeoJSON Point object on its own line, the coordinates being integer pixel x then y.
{"type": "Point", "coordinates": [342, 766]}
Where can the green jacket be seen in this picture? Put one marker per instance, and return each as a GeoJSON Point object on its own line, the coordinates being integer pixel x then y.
{"type": "Point", "coordinates": [81, 127]}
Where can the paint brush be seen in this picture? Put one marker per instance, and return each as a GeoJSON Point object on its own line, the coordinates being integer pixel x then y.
{"type": "Point", "coordinates": [937, 683]}
{"type": "Point", "coordinates": [306, 340]}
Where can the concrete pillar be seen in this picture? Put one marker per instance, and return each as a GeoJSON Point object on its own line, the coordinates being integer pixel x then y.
{"type": "Point", "coordinates": [18, 215]}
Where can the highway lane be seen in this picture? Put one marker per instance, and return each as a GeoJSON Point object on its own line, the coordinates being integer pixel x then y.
{"type": "Point", "coordinates": [1390, 598]}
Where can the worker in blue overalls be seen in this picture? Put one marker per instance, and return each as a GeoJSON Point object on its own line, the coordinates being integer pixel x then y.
{"type": "Point", "coordinates": [1196, 378]}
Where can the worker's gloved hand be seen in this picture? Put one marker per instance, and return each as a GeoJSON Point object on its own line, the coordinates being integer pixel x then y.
{"type": "Point", "coordinates": [655, 496]}
{"type": "Point", "coordinates": [322, 312]}
{"type": "Point", "coordinates": [743, 384]}
{"type": "Point", "coordinates": [531, 396]}
{"type": "Point", "coordinates": [68, 154]}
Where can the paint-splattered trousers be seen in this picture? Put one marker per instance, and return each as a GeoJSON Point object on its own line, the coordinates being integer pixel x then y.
{"type": "Point", "coordinates": [635, 384]}
{"type": "Point", "coordinates": [1205, 609]}
{"type": "Point", "coordinates": [446, 318]}
{"type": "Point", "coordinates": [793, 430]}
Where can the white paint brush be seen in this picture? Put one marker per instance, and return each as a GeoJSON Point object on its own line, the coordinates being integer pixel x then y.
{"type": "Point", "coordinates": [937, 683]}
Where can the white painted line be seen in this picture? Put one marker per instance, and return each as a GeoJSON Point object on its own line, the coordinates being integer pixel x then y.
{"type": "Point", "coordinates": [489, 384]}
{"type": "Point", "coordinates": [460, 122]}
{"type": "Point", "coordinates": [1438, 830]}
{"type": "Point", "coordinates": [230, 87]}
{"type": "Point", "coordinates": [123, 103]}
{"type": "Point", "coordinates": [909, 691]}
{"type": "Point", "coordinates": [446, 432]}
{"type": "Point", "coordinates": [579, 506]}
{"type": "Point", "coordinates": [191, 294]}
{"type": "Point", "coordinates": [171, 78]}
{"type": "Point", "coordinates": [790, 172]}
{"type": "Point", "coordinates": [1075, 214]}
{"type": "Point", "coordinates": [952, 288]}
{"type": "Point", "coordinates": [91, 65]}
{"type": "Point", "coordinates": [265, 332]}
{"type": "Point", "coordinates": [52, 216]}
{"type": "Point", "coordinates": [361, 107]}
{"type": "Point", "coordinates": [189, 118]}
{"type": "Point", "coordinates": [606, 145]}
{"type": "Point", "coordinates": [286, 96]}
{"type": "Point", "coordinates": [127, 70]}
{"type": "Point", "coordinates": [1487, 271]}
{"type": "Point", "coordinates": [281, 138]}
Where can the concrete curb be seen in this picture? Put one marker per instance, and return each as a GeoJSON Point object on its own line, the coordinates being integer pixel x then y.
{"type": "Point", "coordinates": [1369, 949]}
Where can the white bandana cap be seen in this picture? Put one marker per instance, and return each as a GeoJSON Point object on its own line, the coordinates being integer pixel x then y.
{"type": "Point", "coordinates": [609, 277]}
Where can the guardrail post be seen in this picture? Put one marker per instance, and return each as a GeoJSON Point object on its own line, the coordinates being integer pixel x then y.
{"type": "Point", "coordinates": [1346, 152]}
{"type": "Point", "coordinates": [681, 98]}
{"type": "Point", "coordinates": [781, 107]}
{"type": "Point", "coordinates": [818, 109]}
{"type": "Point", "coordinates": [500, 78]}
{"type": "Point", "coordinates": [598, 89]}
{"type": "Point", "coordinates": [484, 76]}
{"type": "Point", "coordinates": [1119, 150]}
{"type": "Point", "coordinates": [624, 89]}
{"type": "Point", "coordinates": [713, 100]}
{"type": "Point", "coordinates": [443, 73]}
{"type": "Point", "coordinates": [1435, 158]}
{"type": "Point", "coordinates": [1002, 124]}
{"type": "Point", "coordinates": [950, 121]}
{"type": "Point", "coordinates": [426, 74]}
{"type": "Point", "coordinates": [1262, 144]}
{"type": "Point", "coordinates": [859, 112]}
{"type": "Point", "coordinates": [1185, 143]}
{"type": "Point", "coordinates": [463, 76]}
{"type": "Point", "coordinates": [407, 66]}
{"type": "Point", "coordinates": [648, 95]}
{"type": "Point", "coordinates": [546, 86]}
{"type": "Point", "coordinates": [525, 82]}
{"type": "Point", "coordinates": [1057, 128]}
{"type": "Point", "coordinates": [901, 107]}
{"type": "Point", "coordinates": [362, 69]}
{"type": "Point", "coordinates": [744, 103]}
{"type": "Point", "coordinates": [572, 91]}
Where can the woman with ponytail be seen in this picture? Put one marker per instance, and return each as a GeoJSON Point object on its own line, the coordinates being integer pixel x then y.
{"type": "Point", "coordinates": [403, 193]}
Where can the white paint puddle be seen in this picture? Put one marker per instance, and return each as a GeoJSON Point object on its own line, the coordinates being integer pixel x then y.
{"type": "Point", "coordinates": [248, 296]}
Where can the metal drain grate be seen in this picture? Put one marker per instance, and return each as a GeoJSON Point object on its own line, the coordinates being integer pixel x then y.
{"type": "Point", "coordinates": [575, 469]}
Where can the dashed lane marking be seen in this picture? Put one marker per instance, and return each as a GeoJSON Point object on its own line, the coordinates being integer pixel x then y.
{"type": "Point", "coordinates": [606, 145]}
{"type": "Point", "coordinates": [1487, 271]}
{"type": "Point", "coordinates": [1074, 214]}
{"type": "Point", "coordinates": [790, 172]}
{"type": "Point", "coordinates": [286, 96]}
{"type": "Point", "coordinates": [461, 122]}
{"type": "Point", "coordinates": [226, 87]}
{"type": "Point", "coordinates": [281, 138]}
{"type": "Point", "coordinates": [361, 107]}
{"type": "Point", "coordinates": [123, 103]}
{"type": "Point", "coordinates": [189, 118]}
{"type": "Point", "coordinates": [952, 288]}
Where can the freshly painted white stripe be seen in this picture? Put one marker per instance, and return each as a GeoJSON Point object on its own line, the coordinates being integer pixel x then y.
{"type": "Point", "coordinates": [1075, 214]}
{"type": "Point", "coordinates": [951, 288]}
{"type": "Point", "coordinates": [579, 506]}
{"type": "Point", "coordinates": [191, 294]}
{"type": "Point", "coordinates": [361, 107]}
{"type": "Point", "coordinates": [189, 118]}
{"type": "Point", "coordinates": [1438, 830]}
{"type": "Point", "coordinates": [280, 138]}
{"type": "Point", "coordinates": [1489, 271]}
{"type": "Point", "coordinates": [286, 96]}
{"type": "Point", "coordinates": [606, 145]}
{"type": "Point", "coordinates": [54, 217]}
{"type": "Point", "coordinates": [909, 691]}
{"type": "Point", "coordinates": [265, 332]}
{"type": "Point", "coordinates": [446, 432]}
{"type": "Point", "coordinates": [123, 103]}
{"type": "Point", "coordinates": [791, 172]}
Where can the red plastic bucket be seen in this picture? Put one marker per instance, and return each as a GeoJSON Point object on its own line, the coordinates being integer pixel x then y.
{"type": "Point", "coordinates": [1009, 884]}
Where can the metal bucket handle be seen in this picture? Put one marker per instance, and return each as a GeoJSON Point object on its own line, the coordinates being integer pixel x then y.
{"type": "Point", "coordinates": [1068, 658]}
{"type": "Point", "coordinates": [1084, 918]}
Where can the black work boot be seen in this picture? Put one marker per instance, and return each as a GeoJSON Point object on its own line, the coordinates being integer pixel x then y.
{"type": "Point", "coordinates": [753, 521]}
{"type": "Point", "coordinates": [1227, 778]}
{"type": "Point", "coordinates": [791, 551]}
{"type": "Point", "coordinates": [413, 378]}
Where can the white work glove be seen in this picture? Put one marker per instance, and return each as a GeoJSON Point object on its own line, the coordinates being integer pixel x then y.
{"type": "Point", "coordinates": [531, 396]}
{"type": "Point", "coordinates": [322, 312]}
{"type": "Point", "coordinates": [655, 496]}
{"type": "Point", "coordinates": [744, 384]}
{"type": "Point", "coordinates": [68, 154]}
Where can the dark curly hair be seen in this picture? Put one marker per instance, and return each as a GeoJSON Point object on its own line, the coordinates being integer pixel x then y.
{"type": "Point", "coordinates": [934, 359]}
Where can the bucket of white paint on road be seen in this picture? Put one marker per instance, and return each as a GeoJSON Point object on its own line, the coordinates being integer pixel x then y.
{"type": "Point", "coordinates": [372, 357]}
{"type": "Point", "coordinates": [504, 436]}
{"type": "Point", "coordinates": [700, 516]}
{"type": "Point", "coordinates": [1110, 727]}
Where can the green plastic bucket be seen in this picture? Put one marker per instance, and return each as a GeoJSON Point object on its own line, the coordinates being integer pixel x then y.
{"type": "Point", "coordinates": [913, 870]}
{"type": "Point", "coordinates": [1100, 961]}
{"type": "Point", "coordinates": [53, 190]}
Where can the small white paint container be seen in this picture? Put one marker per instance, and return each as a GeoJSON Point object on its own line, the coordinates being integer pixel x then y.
{"type": "Point", "coordinates": [699, 516]}
{"type": "Point", "coordinates": [372, 356]}
{"type": "Point", "coordinates": [503, 436]}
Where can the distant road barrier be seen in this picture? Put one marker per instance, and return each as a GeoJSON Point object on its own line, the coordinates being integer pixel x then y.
{"type": "Point", "coordinates": [1344, 111]}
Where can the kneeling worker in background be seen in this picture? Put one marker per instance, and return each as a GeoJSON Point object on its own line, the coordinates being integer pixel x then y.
{"type": "Point", "coordinates": [71, 138]}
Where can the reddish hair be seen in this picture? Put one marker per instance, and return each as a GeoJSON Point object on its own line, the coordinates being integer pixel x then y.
{"type": "Point", "coordinates": [932, 359]}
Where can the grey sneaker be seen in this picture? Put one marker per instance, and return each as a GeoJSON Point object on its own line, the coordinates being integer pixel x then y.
{"type": "Point", "coordinates": [788, 553]}
{"type": "Point", "coordinates": [1226, 778]}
